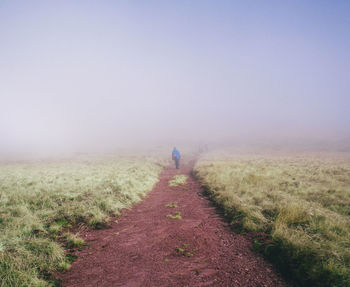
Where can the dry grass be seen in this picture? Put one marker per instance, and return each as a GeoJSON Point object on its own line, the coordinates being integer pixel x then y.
{"type": "Point", "coordinates": [178, 180]}
{"type": "Point", "coordinates": [39, 201]}
{"type": "Point", "coordinates": [171, 204]}
{"type": "Point", "coordinates": [176, 216]}
{"type": "Point", "coordinates": [302, 201]}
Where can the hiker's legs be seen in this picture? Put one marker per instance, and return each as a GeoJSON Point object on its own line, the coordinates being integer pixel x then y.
{"type": "Point", "coordinates": [177, 163]}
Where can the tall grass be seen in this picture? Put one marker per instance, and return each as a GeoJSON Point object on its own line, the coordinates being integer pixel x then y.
{"type": "Point", "coordinates": [301, 201]}
{"type": "Point", "coordinates": [40, 202]}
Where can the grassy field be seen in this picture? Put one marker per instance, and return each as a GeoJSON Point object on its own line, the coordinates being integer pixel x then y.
{"type": "Point", "coordinates": [41, 202]}
{"type": "Point", "coordinates": [301, 201]}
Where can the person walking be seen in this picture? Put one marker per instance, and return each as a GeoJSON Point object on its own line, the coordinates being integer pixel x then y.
{"type": "Point", "coordinates": [176, 157]}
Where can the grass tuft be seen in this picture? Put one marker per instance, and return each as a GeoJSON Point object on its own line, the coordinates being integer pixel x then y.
{"type": "Point", "coordinates": [178, 180]}
{"type": "Point", "coordinates": [73, 240]}
{"type": "Point", "coordinates": [171, 205]}
{"type": "Point", "coordinates": [64, 266]}
{"type": "Point", "coordinates": [183, 251]}
{"type": "Point", "coordinates": [180, 250]}
{"type": "Point", "coordinates": [176, 216]}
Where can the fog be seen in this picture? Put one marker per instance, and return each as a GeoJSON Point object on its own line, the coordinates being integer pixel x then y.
{"type": "Point", "coordinates": [96, 75]}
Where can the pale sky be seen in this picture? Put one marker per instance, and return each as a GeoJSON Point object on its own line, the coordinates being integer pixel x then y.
{"type": "Point", "coordinates": [102, 73]}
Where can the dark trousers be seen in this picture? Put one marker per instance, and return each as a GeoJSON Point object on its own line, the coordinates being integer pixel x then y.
{"type": "Point", "coordinates": [177, 163]}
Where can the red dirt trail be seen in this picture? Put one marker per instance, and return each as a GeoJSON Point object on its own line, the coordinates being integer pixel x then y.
{"type": "Point", "coordinates": [141, 248]}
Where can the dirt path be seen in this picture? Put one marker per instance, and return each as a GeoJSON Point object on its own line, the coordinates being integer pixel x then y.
{"type": "Point", "coordinates": [147, 248]}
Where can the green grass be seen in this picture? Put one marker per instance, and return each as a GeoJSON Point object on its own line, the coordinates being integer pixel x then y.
{"type": "Point", "coordinates": [184, 252]}
{"type": "Point", "coordinates": [178, 180]}
{"type": "Point", "coordinates": [301, 201]}
{"type": "Point", "coordinates": [171, 205]}
{"type": "Point", "coordinates": [180, 250]}
{"type": "Point", "coordinates": [73, 240]}
{"type": "Point", "coordinates": [40, 202]}
{"type": "Point", "coordinates": [176, 216]}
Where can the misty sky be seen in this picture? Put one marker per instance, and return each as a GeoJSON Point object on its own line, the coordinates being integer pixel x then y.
{"type": "Point", "coordinates": [84, 73]}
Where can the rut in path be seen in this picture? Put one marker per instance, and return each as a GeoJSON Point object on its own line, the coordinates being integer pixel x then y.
{"type": "Point", "coordinates": [147, 248]}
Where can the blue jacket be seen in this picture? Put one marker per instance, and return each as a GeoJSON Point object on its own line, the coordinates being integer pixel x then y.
{"type": "Point", "coordinates": [176, 154]}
